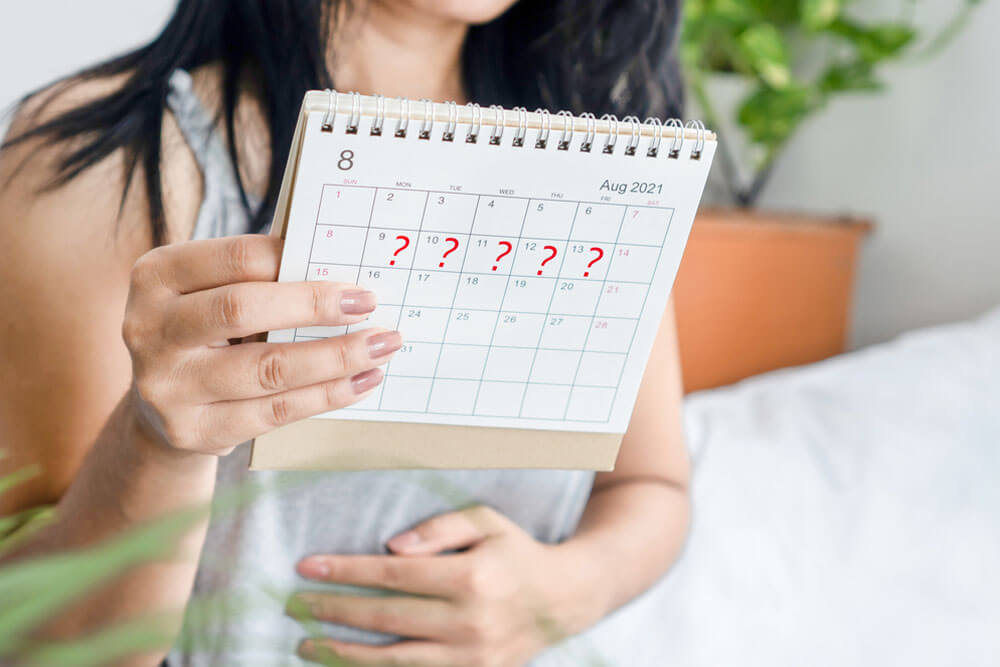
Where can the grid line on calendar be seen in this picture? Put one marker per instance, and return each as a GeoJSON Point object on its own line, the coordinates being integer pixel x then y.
{"type": "Point", "coordinates": [491, 195]}
{"type": "Point", "coordinates": [498, 236]}
{"type": "Point", "coordinates": [548, 309]}
{"type": "Point", "coordinates": [597, 306]}
{"type": "Point", "coordinates": [312, 241]}
{"type": "Point", "coordinates": [641, 311]}
{"type": "Point", "coordinates": [507, 347]}
{"type": "Point", "coordinates": [517, 248]}
{"type": "Point", "coordinates": [451, 309]}
{"type": "Point", "coordinates": [409, 277]}
{"type": "Point", "coordinates": [364, 246]}
{"type": "Point", "coordinates": [490, 310]}
{"type": "Point", "coordinates": [526, 302]}
{"type": "Point", "coordinates": [380, 266]}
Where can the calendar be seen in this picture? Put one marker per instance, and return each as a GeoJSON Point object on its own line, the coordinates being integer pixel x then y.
{"type": "Point", "coordinates": [526, 259]}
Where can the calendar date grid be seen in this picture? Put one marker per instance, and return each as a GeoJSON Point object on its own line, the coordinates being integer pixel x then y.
{"type": "Point", "coordinates": [315, 269]}
{"type": "Point", "coordinates": [483, 234]}
{"type": "Point", "coordinates": [581, 378]}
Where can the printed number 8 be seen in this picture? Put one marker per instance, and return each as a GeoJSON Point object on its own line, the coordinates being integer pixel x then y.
{"type": "Point", "coordinates": [346, 160]}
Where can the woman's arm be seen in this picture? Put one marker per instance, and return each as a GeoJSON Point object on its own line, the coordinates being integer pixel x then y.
{"type": "Point", "coordinates": [638, 514]}
{"type": "Point", "coordinates": [126, 430]}
{"type": "Point", "coordinates": [68, 255]}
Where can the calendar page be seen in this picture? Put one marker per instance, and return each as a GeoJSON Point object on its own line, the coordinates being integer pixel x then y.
{"type": "Point", "coordinates": [528, 283]}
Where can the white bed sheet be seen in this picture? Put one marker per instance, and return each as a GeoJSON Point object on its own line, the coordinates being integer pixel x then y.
{"type": "Point", "coordinates": [845, 513]}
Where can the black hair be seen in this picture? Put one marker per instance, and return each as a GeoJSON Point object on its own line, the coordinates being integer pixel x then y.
{"type": "Point", "coordinates": [604, 56]}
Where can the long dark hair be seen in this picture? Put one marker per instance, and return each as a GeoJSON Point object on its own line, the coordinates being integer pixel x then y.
{"type": "Point", "coordinates": [604, 56]}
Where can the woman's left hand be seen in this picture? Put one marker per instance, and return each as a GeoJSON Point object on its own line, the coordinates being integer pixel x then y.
{"type": "Point", "coordinates": [496, 603]}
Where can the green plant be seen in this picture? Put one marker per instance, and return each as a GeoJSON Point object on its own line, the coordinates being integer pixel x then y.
{"type": "Point", "coordinates": [794, 56]}
{"type": "Point", "coordinates": [33, 590]}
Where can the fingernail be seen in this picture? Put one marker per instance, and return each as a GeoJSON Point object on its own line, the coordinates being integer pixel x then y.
{"type": "Point", "coordinates": [366, 381]}
{"type": "Point", "coordinates": [357, 302]}
{"type": "Point", "coordinates": [403, 541]}
{"type": "Point", "coordinates": [313, 568]}
{"type": "Point", "coordinates": [384, 343]}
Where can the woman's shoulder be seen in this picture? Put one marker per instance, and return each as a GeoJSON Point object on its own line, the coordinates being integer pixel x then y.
{"type": "Point", "coordinates": [67, 248]}
{"type": "Point", "coordinates": [39, 196]}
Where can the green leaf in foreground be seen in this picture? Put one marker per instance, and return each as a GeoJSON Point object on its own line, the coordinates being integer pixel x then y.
{"type": "Point", "coordinates": [40, 587]}
{"type": "Point", "coordinates": [124, 639]}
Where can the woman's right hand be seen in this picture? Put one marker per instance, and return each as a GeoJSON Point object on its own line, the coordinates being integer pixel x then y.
{"type": "Point", "coordinates": [195, 392]}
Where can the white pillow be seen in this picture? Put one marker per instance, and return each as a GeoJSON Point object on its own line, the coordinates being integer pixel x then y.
{"type": "Point", "coordinates": [845, 513]}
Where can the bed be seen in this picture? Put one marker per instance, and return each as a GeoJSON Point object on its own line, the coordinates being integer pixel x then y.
{"type": "Point", "coordinates": [845, 513]}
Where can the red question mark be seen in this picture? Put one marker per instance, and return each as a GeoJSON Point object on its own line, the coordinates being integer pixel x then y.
{"type": "Point", "coordinates": [406, 242]}
{"type": "Point", "coordinates": [600, 253]}
{"type": "Point", "coordinates": [504, 253]}
{"type": "Point", "coordinates": [547, 259]}
{"type": "Point", "coordinates": [449, 250]}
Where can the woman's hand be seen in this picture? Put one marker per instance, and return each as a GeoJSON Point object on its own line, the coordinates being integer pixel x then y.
{"type": "Point", "coordinates": [196, 393]}
{"type": "Point", "coordinates": [498, 602]}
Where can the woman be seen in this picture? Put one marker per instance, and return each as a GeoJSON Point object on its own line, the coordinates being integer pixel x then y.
{"type": "Point", "coordinates": [113, 183]}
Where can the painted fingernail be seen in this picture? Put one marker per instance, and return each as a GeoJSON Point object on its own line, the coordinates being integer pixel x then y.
{"type": "Point", "coordinates": [313, 568]}
{"type": "Point", "coordinates": [403, 540]}
{"type": "Point", "coordinates": [384, 343]}
{"type": "Point", "coordinates": [357, 302]}
{"type": "Point", "coordinates": [366, 381]}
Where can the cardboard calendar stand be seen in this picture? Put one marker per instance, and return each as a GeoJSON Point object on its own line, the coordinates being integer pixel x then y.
{"type": "Point", "coordinates": [356, 444]}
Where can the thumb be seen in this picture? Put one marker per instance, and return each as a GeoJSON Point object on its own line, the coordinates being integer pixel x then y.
{"type": "Point", "coordinates": [446, 532]}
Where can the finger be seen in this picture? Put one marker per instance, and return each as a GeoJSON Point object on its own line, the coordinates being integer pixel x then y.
{"type": "Point", "coordinates": [432, 575]}
{"type": "Point", "coordinates": [244, 420]}
{"type": "Point", "coordinates": [204, 264]}
{"type": "Point", "coordinates": [401, 654]}
{"type": "Point", "coordinates": [426, 618]}
{"type": "Point", "coordinates": [242, 309]}
{"type": "Point", "coordinates": [446, 532]}
{"type": "Point", "coordinates": [261, 369]}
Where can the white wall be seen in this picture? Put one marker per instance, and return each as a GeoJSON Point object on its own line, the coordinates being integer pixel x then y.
{"type": "Point", "coordinates": [921, 160]}
{"type": "Point", "coordinates": [45, 39]}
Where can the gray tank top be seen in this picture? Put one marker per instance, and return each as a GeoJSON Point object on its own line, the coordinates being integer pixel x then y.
{"type": "Point", "coordinates": [247, 567]}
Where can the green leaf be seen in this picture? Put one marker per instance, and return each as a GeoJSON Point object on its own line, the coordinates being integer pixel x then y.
{"type": "Point", "coordinates": [39, 587]}
{"type": "Point", "coordinates": [17, 527]}
{"type": "Point", "coordinates": [877, 42]}
{"type": "Point", "coordinates": [770, 116]}
{"type": "Point", "coordinates": [765, 50]}
{"type": "Point", "coordinates": [11, 480]}
{"type": "Point", "coordinates": [886, 41]}
{"type": "Point", "coordinates": [730, 11]}
{"type": "Point", "coordinates": [775, 12]}
{"type": "Point", "coordinates": [107, 645]}
{"type": "Point", "coordinates": [818, 14]}
{"type": "Point", "coordinates": [858, 77]}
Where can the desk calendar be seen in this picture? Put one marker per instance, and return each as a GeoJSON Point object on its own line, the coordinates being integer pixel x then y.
{"type": "Point", "coordinates": [527, 259]}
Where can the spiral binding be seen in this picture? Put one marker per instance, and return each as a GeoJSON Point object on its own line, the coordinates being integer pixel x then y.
{"type": "Point", "coordinates": [543, 133]}
{"type": "Point", "coordinates": [672, 131]}
{"type": "Point", "coordinates": [427, 124]}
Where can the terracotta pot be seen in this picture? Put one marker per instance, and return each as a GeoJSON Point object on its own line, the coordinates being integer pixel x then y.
{"type": "Point", "coordinates": [758, 291]}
